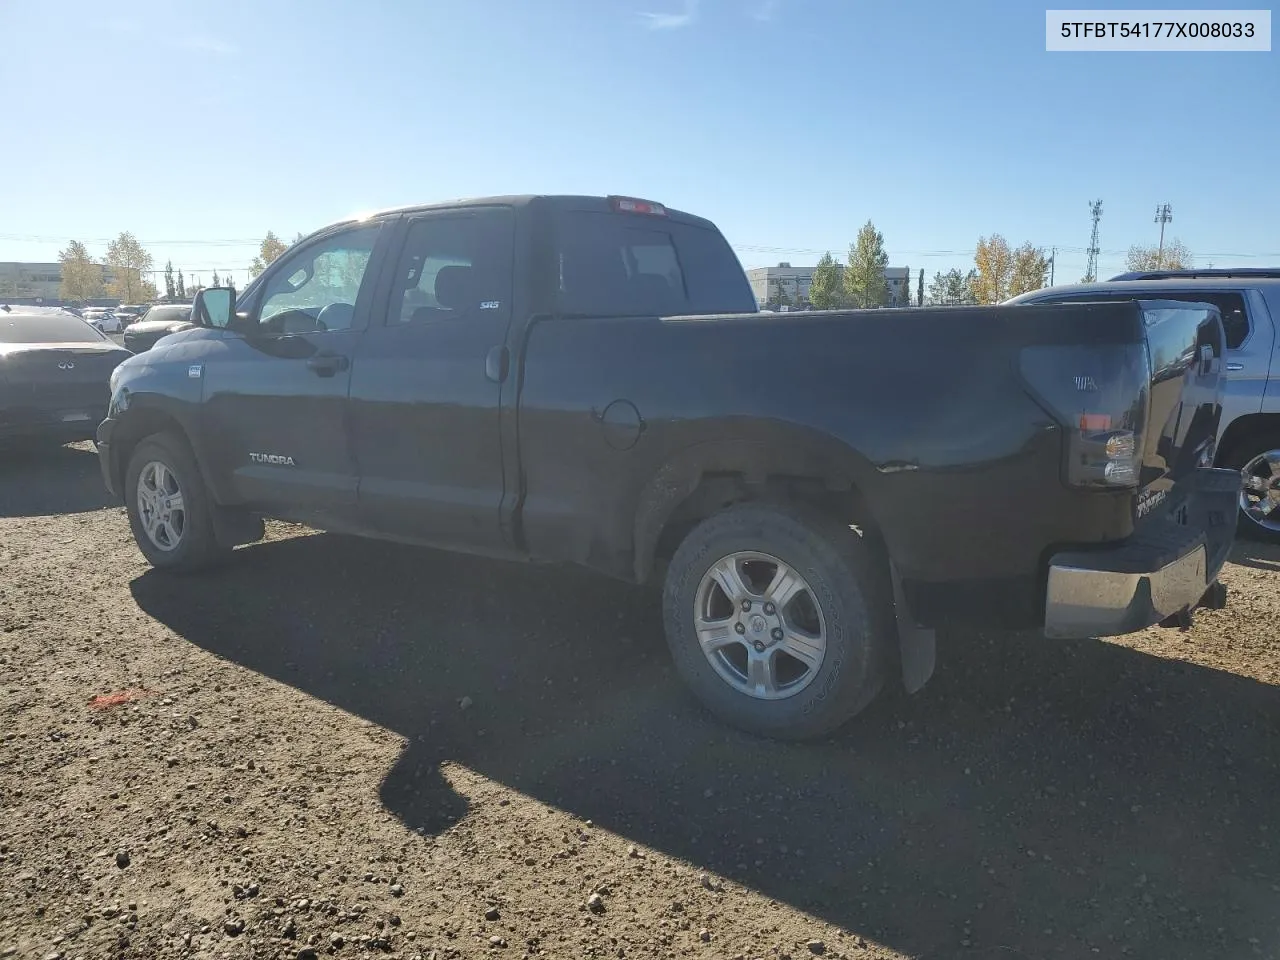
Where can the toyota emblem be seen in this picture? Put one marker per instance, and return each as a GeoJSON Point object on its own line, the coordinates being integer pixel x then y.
{"type": "Point", "coordinates": [66, 364]}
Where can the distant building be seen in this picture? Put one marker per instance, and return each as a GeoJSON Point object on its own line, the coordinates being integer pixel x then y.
{"type": "Point", "coordinates": [40, 281]}
{"type": "Point", "coordinates": [795, 283]}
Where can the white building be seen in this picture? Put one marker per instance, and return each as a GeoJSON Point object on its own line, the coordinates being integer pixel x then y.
{"type": "Point", "coordinates": [794, 283]}
{"type": "Point", "coordinates": [37, 280]}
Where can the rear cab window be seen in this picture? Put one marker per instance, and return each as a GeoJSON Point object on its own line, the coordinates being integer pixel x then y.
{"type": "Point", "coordinates": [620, 264]}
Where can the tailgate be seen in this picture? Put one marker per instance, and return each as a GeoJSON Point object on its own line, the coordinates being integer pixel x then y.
{"type": "Point", "coordinates": [1185, 342]}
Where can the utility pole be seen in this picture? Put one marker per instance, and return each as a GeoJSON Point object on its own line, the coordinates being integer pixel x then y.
{"type": "Point", "coordinates": [1053, 263]}
{"type": "Point", "coordinates": [1091, 271]}
{"type": "Point", "coordinates": [1164, 213]}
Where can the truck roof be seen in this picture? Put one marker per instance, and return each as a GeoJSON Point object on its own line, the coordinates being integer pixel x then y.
{"type": "Point", "coordinates": [1251, 273]}
{"type": "Point", "coordinates": [1200, 280]}
{"type": "Point", "coordinates": [565, 201]}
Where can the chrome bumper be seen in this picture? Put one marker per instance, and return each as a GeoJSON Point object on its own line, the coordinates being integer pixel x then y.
{"type": "Point", "coordinates": [1161, 571]}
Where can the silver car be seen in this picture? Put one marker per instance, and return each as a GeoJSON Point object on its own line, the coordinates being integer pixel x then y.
{"type": "Point", "coordinates": [1249, 433]}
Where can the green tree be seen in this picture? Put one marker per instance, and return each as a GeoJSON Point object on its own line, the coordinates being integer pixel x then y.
{"type": "Point", "coordinates": [217, 282]}
{"type": "Point", "coordinates": [864, 282]}
{"type": "Point", "coordinates": [952, 288]}
{"type": "Point", "coordinates": [994, 262]}
{"type": "Point", "coordinates": [81, 277]}
{"type": "Point", "coordinates": [182, 287]}
{"type": "Point", "coordinates": [920, 289]}
{"type": "Point", "coordinates": [1175, 256]}
{"type": "Point", "coordinates": [270, 248]}
{"type": "Point", "coordinates": [826, 289]}
{"type": "Point", "coordinates": [170, 291]}
{"type": "Point", "coordinates": [1030, 270]}
{"type": "Point", "coordinates": [128, 261]}
{"type": "Point", "coordinates": [779, 297]}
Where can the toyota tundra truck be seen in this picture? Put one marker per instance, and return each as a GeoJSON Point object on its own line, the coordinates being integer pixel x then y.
{"type": "Point", "coordinates": [587, 380]}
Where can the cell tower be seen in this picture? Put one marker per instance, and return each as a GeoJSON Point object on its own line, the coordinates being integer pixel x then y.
{"type": "Point", "coordinates": [1091, 271]}
{"type": "Point", "coordinates": [1164, 213]}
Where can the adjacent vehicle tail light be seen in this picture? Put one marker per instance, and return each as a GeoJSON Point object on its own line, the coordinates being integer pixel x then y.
{"type": "Point", "coordinates": [1099, 395]}
{"type": "Point", "coordinates": [632, 205]}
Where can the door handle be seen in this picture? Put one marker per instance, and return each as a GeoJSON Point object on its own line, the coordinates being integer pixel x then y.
{"type": "Point", "coordinates": [1234, 366]}
{"type": "Point", "coordinates": [496, 364]}
{"type": "Point", "coordinates": [327, 364]}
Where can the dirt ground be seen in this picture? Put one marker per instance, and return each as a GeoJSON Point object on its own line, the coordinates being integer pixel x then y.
{"type": "Point", "coordinates": [350, 749]}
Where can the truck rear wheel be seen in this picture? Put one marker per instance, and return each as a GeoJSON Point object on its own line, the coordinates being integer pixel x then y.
{"type": "Point", "coordinates": [170, 511]}
{"type": "Point", "coordinates": [777, 618]}
{"type": "Point", "coordinates": [1258, 461]}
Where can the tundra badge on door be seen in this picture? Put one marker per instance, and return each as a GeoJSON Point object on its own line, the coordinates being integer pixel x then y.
{"type": "Point", "coordinates": [273, 458]}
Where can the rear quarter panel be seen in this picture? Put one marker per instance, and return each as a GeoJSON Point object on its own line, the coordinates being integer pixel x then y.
{"type": "Point", "coordinates": [922, 410]}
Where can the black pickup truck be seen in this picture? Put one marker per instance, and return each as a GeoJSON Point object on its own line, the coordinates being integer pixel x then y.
{"type": "Point", "coordinates": [587, 380]}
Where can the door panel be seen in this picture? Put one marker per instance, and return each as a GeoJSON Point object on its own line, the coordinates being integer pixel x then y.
{"type": "Point", "coordinates": [277, 399]}
{"type": "Point", "coordinates": [428, 382]}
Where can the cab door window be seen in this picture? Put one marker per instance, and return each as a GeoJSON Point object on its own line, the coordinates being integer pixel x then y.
{"type": "Point", "coordinates": [315, 290]}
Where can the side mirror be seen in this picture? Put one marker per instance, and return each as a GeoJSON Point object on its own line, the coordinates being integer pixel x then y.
{"type": "Point", "coordinates": [214, 307]}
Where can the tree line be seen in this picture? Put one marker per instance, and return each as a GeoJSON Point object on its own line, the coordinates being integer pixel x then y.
{"type": "Point", "coordinates": [128, 264]}
{"type": "Point", "coordinates": [998, 273]}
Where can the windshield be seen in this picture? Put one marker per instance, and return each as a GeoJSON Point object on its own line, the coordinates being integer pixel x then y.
{"type": "Point", "coordinates": [167, 314]}
{"type": "Point", "coordinates": [46, 328]}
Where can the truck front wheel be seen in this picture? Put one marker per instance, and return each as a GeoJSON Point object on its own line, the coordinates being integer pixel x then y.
{"type": "Point", "coordinates": [778, 619]}
{"type": "Point", "coordinates": [170, 511]}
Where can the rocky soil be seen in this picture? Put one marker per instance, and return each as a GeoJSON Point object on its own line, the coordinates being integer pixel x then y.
{"type": "Point", "coordinates": [335, 748]}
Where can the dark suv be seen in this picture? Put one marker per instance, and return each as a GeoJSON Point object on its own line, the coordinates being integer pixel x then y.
{"type": "Point", "coordinates": [159, 321]}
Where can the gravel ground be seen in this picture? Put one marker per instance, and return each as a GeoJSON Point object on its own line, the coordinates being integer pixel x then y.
{"type": "Point", "coordinates": [351, 749]}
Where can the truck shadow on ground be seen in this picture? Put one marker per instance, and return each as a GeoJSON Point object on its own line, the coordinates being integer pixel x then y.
{"type": "Point", "coordinates": [1259, 556]}
{"type": "Point", "coordinates": [40, 479]}
{"type": "Point", "coordinates": [1037, 798]}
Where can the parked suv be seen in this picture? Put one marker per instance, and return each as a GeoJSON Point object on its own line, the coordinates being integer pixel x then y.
{"type": "Point", "coordinates": [1249, 432]}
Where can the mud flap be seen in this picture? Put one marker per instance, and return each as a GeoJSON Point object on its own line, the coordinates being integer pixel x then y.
{"type": "Point", "coordinates": [918, 645]}
{"type": "Point", "coordinates": [231, 528]}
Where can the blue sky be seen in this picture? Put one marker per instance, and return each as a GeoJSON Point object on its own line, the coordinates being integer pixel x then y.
{"type": "Point", "coordinates": [788, 122]}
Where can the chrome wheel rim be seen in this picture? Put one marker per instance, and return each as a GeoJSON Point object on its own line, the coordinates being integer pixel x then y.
{"type": "Point", "coordinates": [1260, 490]}
{"type": "Point", "coordinates": [760, 626]}
{"type": "Point", "coordinates": [161, 509]}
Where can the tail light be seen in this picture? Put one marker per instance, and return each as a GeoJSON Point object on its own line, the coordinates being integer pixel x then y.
{"type": "Point", "coordinates": [634, 205]}
{"type": "Point", "coordinates": [1099, 396]}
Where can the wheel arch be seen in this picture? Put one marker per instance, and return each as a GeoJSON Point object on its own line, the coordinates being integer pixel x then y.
{"type": "Point", "coordinates": [698, 480]}
{"type": "Point", "coordinates": [144, 420]}
{"type": "Point", "coordinates": [1244, 430]}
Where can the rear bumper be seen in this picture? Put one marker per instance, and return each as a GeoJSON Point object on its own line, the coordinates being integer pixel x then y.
{"type": "Point", "coordinates": [41, 424]}
{"type": "Point", "coordinates": [1165, 568]}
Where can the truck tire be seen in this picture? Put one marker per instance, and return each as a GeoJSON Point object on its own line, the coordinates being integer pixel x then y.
{"type": "Point", "coordinates": [778, 619]}
{"type": "Point", "coordinates": [170, 510]}
{"type": "Point", "coordinates": [1258, 460]}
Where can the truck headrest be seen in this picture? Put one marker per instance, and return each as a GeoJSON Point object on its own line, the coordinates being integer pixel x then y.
{"type": "Point", "coordinates": [453, 287]}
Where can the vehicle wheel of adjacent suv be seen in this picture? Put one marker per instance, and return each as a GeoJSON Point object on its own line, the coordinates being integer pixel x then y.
{"type": "Point", "coordinates": [778, 619]}
{"type": "Point", "coordinates": [1258, 461]}
{"type": "Point", "coordinates": [170, 510]}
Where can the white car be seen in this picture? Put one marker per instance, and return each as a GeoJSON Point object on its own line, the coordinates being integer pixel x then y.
{"type": "Point", "coordinates": [104, 321]}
